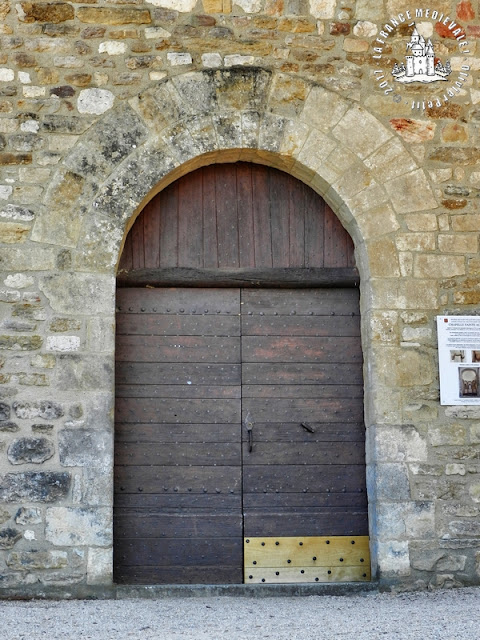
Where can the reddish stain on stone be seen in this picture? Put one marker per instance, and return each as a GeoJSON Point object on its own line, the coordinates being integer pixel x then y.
{"type": "Point", "coordinates": [465, 10]}
{"type": "Point", "coordinates": [339, 28]}
{"type": "Point", "coordinates": [444, 31]}
{"type": "Point", "coordinates": [454, 204]}
{"type": "Point", "coordinates": [473, 31]}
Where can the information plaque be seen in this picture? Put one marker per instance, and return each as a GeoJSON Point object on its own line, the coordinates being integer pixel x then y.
{"type": "Point", "coordinates": [459, 359]}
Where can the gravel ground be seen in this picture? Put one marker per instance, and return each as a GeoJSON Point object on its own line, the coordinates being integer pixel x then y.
{"type": "Point", "coordinates": [440, 615]}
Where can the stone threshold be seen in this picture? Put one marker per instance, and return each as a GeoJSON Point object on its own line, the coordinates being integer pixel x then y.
{"type": "Point", "coordinates": [119, 592]}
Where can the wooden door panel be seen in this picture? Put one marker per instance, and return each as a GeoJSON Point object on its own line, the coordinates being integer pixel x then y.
{"type": "Point", "coordinates": [177, 513]}
{"type": "Point", "coordinates": [298, 373]}
{"type": "Point", "coordinates": [191, 374]}
{"type": "Point", "coordinates": [304, 470]}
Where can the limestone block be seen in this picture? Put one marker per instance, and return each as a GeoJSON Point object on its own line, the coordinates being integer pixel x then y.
{"type": "Point", "coordinates": [179, 59]}
{"type": "Point", "coordinates": [323, 109]}
{"type": "Point", "coordinates": [45, 409]}
{"type": "Point", "coordinates": [84, 447]}
{"type": "Point", "coordinates": [28, 516]}
{"type": "Point", "coordinates": [9, 537]}
{"type": "Point", "coordinates": [228, 129]}
{"type": "Point", "coordinates": [474, 491]}
{"type": "Point", "coordinates": [236, 60]}
{"type": "Point", "coordinates": [437, 266]}
{"type": "Point", "coordinates": [452, 563]}
{"type": "Point", "coordinates": [63, 343]}
{"type": "Point", "coordinates": [447, 434]}
{"type": "Point", "coordinates": [400, 444]}
{"type": "Point", "coordinates": [391, 520]}
{"type": "Point", "coordinates": [378, 221]}
{"type": "Point", "coordinates": [7, 75]}
{"type": "Point", "coordinates": [113, 16]}
{"type": "Point", "coordinates": [361, 132]}
{"type": "Point", "coordinates": [420, 520]}
{"type": "Point", "coordinates": [112, 47]}
{"type": "Point", "coordinates": [404, 294]}
{"type": "Point", "coordinates": [416, 334]}
{"type": "Point", "coordinates": [383, 258]}
{"type": "Point", "coordinates": [294, 137]}
{"type": "Point", "coordinates": [242, 88]}
{"type": "Point", "coordinates": [211, 60]}
{"type": "Point", "coordinates": [469, 528]}
{"type": "Point", "coordinates": [79, 293]}
{"type": "Point", "coordinates": [413, 131]}
{"type": "Point", "coordinates": [421, 222]}
{"type": "Point", "coordinates": [183, 6]}
{"type": "Point", "coordinates": [37, 560]}
{"type": "Point", "coordinates": [249, 6]}
{"type": "Point", "coordinates": [392, 482]}
{"type": "Point", "coordinates": [416, 241]}
{"type": "Point", "coordinates": [30, 450]}
{"type": "Point", "coordinates": [4, 515]}
{"type": "Point", "coordinates": [196, 93]}
{"type": "Point", "coordinates": [411, 192]}
{"type": "Point", "coordinates": [353, 45]}
{"type": "Point", "coordinates": [394, 558]}
{"type": "Point", "coordinates": [383, 326]}
{"type": "Point", "coordinates": [35, 486]}
{"type": "Point", "coordinates": [250, 130]}
{"type": "Point", "coordinates": [456, 243]}
{"type": "Point", "coordinates": [365, 29]}
{"type": "Point", "coordinates": [99, 566]}
{"type": "Point", "coordinates": [69, 526]}
{"type": "Point", "coordinates": [316, 150]}
{"type": "Point", "coordinates": [83, 372]}
{"type": "Point", "coordinates": [95, 101]}
{"type": "Point", "coordinates": [322, 9]}
{"type": "Point", "coordinates": [20, 343]}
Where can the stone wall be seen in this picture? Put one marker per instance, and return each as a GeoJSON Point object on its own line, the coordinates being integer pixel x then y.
{"type": "Point", "coordinates": [104, 104]}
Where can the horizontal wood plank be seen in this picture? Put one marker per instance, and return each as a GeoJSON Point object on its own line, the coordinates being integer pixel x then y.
{"type": "Point", "coordinates": [336, 302]}
{"type": "Point", "coordinates": [173, 480]}
{"type": "Point", "coordinates": [298, 373]}
{"type": "Point", "coordinates": [180, 349]}
{"type": "Point", "coordinates": [178, 523]}
{"type": "Point", "coordinates": [155, 324]}
{"type": "Point", "coordinates": [180, 411]}
{"type": "Point", "coordinates": [303, 478]}
{"type": "Point", "coordinates": [307, 575]}
{"type": "Point", "coordinates": [292, 501]}
{"type": "Point", "coordinates": [175, 433]}
{"type": "Point", "coordinates": [307, 453]}
{"type": "Point", "coordinates": [304, 410]}
{"type": "Point", "coordinates": [187, 300]}
{"type": "Point", "coordinates": [170, 552]}
{"type": "Point", "coordinates": [302, 392]}
{"type": "Point", "coordinates": [284, 522]}
{"type": "Point", "coordinates": [178, 575]}
{"type": "Point", "coordinates": [176, 373]}
{"type": "Point", "coordinates": [257, 325]}
{"type": "Point", "coordinates": [141, 454]}
{"type": "Point", "coordinates": [181, 391]}
{"type": "Point", "coordinates": [300, 349]}
{"type": "Point", "coordinates": [271, 277]}
{"type": "Point", "coordinates": [287, 432]}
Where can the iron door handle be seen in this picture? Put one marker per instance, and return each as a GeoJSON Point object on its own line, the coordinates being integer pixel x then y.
{"type": "Point", "coordinates": [249, 426]}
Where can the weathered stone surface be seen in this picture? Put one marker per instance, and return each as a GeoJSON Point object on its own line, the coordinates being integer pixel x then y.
{"type": "Point", "coordinates": [35, 486]}
{"type": "Point", "coordinates": [84, 372]}
{"type": "Point", "coordinates": [9, 427]}
{"type": "Point", "coordinates": [46, 409]}
{"type": "Point", "coordinates": [37, 560]}
{"type": "Point", "coordinates": [8, 538]}
{"type": "Point", "coordinates": [53, 12]}
{"type": "Point", "coordinates": [67, 292]}
{"type": "Point", "coordinates": [82, 447]}
{"type": "Point", "coordinates": [4, 515]}
{"type": "Point", "coordinates": [99, 566]}
{"type": "Point", "coordinates": [20, 343]}
{"type": "Point", "coordinates": [28, 516]}
{"type": "Point", "coordinates": [30, 450]}
{"type": "Point", "coordinates": [95, 101]}
{"type": "Point", "coordinates": [69, 526]}
{"type": "Point", "coordinates": [113, 16]}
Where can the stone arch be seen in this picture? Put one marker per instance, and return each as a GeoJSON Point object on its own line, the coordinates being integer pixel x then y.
{"type": "Point", "coordinates": [331, 143]}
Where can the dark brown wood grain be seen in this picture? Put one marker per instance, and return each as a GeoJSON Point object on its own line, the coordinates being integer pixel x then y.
{"type": "Point", "coordinates": [236, 215]}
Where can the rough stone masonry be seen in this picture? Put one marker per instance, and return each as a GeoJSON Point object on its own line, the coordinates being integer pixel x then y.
{"type": "Point", "coordinates": [102, 104]}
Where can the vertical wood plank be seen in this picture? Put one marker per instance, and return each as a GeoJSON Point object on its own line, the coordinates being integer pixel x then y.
{"type": "Point", "coordinates": [126, 260]}
{"type": "Point", "coordinates": [279, 219]}
{"type": "Point", "coordinates": [151, 228]}
{"type": "Point", "coordinates": [209, 207]}
{"type": "Point", "coordinates": [245, 195]}
{"type": "Point", "coordinates": [261, 217]}
{"type": "Point", "coordinates": [190, 221]}
{"type": "Point", "coordinates": [227, 219]}
{"type": "Point", "coordinates": [169, 226]}
{"type": "Point", "coordinates": [335, 239]}
{"type": "Point", "coordinates": [314, 229]}
{"type": "Point", "coordinates": [296, 204]}
{"type": "Point", "coordinates": [138, 244]}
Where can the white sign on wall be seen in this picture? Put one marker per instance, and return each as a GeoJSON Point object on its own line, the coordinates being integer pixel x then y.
{"type": "Point", "coordinates": [459, 359]}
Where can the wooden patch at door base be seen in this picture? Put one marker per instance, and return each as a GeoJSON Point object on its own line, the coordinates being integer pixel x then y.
{"type": "Point", "coordinates": [306, 559]}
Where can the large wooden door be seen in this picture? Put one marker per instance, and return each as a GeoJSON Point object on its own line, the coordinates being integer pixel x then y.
{"type": "Point", "coordinates": [239, 448]}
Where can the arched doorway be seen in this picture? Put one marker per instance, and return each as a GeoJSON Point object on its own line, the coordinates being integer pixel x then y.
{"type": "Point", "coordinates": [239, 413]}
